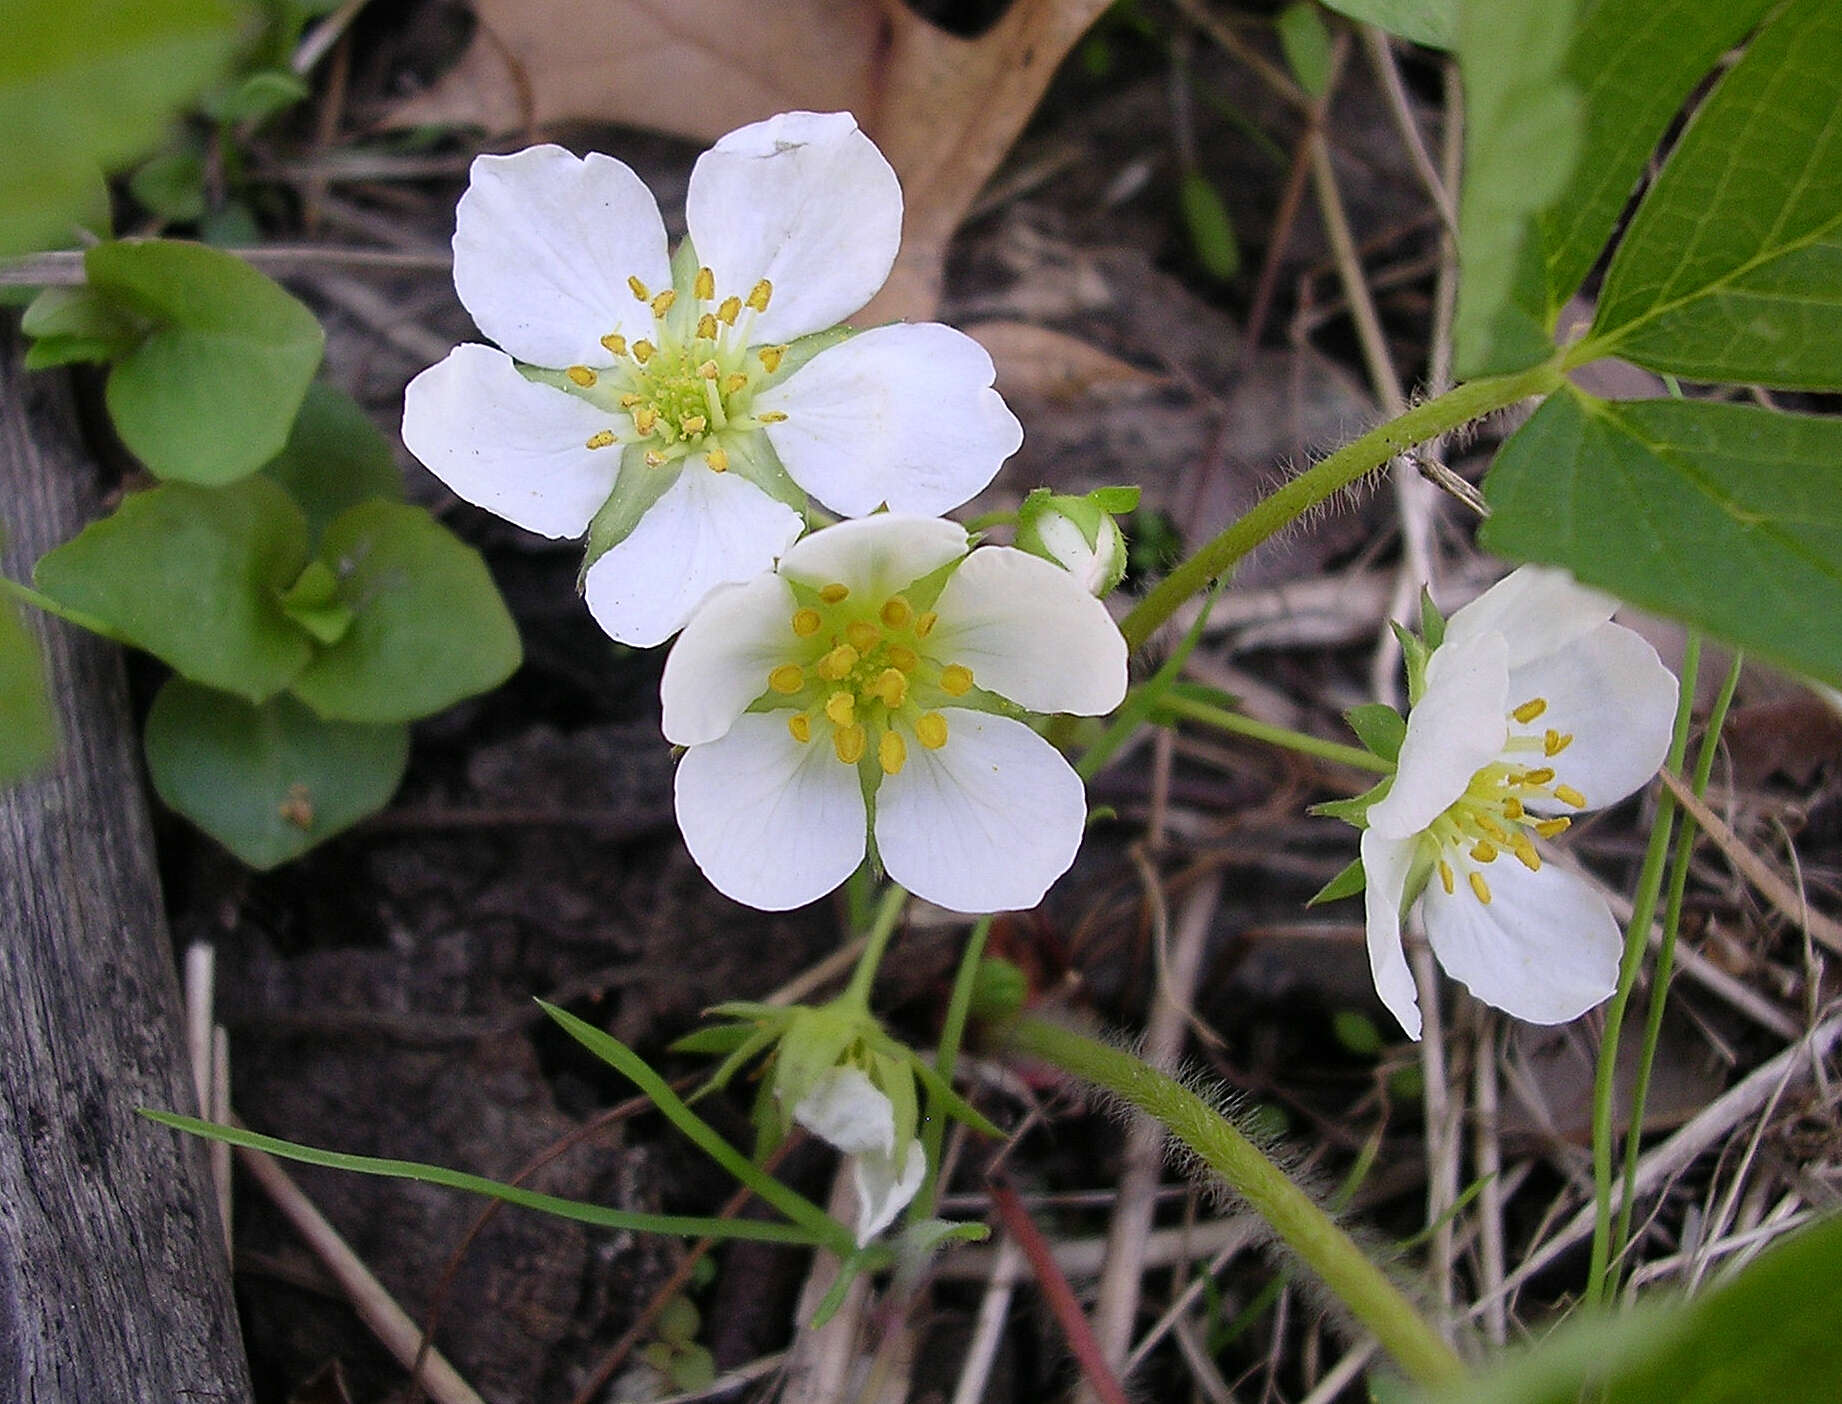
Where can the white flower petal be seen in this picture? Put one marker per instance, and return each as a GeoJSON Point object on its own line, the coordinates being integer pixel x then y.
{"type": "Point", "coordinates": [845, 1108]}
{"type": "Point", "coordinates": [1456, 728]}
{"type": "Point", "coordinates": [1031, 632]}
{"type": "Point", "coordinates": [901, 414]}
{"type": "Point", "coordinates": [543, 246]}
{"type": "Point", "coordinates": [984, 824]}
{"type": "Point", "coordinates": [707, 530]}
{"type": "Point", "coordinates": [772, 823]}
{"type": "Point", "coordinates": [1385, 865]}
{"type": "Point", "coordinates": [721, 661]}
{"type": "Point", "coordinates": [516, 448]}
{"type": "Point", "coordinates": [1537, 608]}
{"type": "Point", "coordinates": [806, 201]}
{"type": "Point", "coordinates": [1612, 694]}
{"type": "Point", "coordinates": [874, 556]}
{"type": "Point", "coordinates": [1544, 949]}
{"type": "Point", "coordinates": [883, 1191]}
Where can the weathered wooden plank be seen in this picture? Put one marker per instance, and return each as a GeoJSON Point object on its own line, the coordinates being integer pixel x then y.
{"type": "Point", "coordinates": [113, 1279]}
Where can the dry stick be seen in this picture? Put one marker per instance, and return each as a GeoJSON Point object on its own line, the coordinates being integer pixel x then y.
{"type": "Point", "coordinates": [819, 1363]}
{"type": "Point", "coordinates": [1381, 58]}
{"type": "Point", "coordinates": [1487, 1155]}
{"type": "Point", "coordinates": [988, 1327]}
{"type": "Point", "coordinates": [1340, 1375]}
{"type": "Point", "coordinates": [1249, 1232]}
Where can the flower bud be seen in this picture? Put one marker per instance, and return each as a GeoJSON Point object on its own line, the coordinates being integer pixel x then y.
{"type": "Point", "coordinates": [1078, 533]}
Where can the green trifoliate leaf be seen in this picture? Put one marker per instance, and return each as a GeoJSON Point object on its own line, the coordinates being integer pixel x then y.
{"type": "Point", "coordinates": [334, 459]}
{"type": "Point", "coordinates": [267, 781]}
{"type": "Point", "coordinates": [28, 728]}
{"type": "Point", "coordinates": [1379, 727]}
{"type": "Point", "coordinates": [195, 576]}
{"type": "Point", "coordinates": [77, 324]}
{"type": "Point", "coordinates": [427, 624]}
{"type": "Point", "coordinates": [210, 394]}
{"type": "Point", "coordinates": [1433, 23]}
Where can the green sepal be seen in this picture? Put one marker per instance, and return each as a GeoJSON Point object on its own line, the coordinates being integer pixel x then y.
{"type": "Point", "coordinates": [1117, 500]}
{"type": "Point", "coordinates": [636, 487]}
{"type": "Point", "coordinates": [814, 1043]}
{"type": "Point", "coordinates": [1345, 884]}
{"type": "Point", "coordinates": [752, 1047]}
{"type": "Point", "coordinates": [799, 351]}
{"type": "Point", "coordinates": [1379, 727]}
{"type": "Point", "coordinates": [1415, 653]}
{"type": "Point", "coordinates": [1355, 810]}
{"type": "Point", "coordinates": [922, 1237]}
{"type": "Point", "coordinates": [717, 1038]}
{"type": "Point", "coordinates": [834, 1298]}
{"type": "Point", "coordinates": [1432, 622]}
{"type": "Point", "coordinates": [942, 1095]}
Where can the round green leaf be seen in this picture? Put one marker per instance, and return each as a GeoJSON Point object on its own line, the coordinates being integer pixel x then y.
{"type": "Point", "coordinates": [269, 781]}
{"type": "Point", "coordinates": [335, 458]}
{"type": "Point", "coordinates": [194, 576]}
{"type": "Point", "coordinates": [29, 733]}
{"type": "Point", "coordinates": [428, 625]}
{"type": "Point", "coordinates": [210, 395]}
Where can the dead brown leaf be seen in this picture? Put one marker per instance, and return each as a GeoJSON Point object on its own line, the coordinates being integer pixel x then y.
{"type": "Point", "coordinates": [1038, 363]}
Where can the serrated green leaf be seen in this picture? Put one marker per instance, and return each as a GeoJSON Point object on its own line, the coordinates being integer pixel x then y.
{"type": "Point", "coordinates": [1727, 516]}
{"type": "Point", "coordinates": [28, 727]}
{"type": "Point", "coordinates": [209, 396]}
{"type": "Point", "coordinates": [1732, 266]}
{"type": "Point", "coordinates": [267, 781]}
{"type": "Point", "coordinates": [1379, 727]}
{"type": "Point", "coordinates": [1345, 884]}
{"type": "Point", "coordinates": [87, 85]}
{"type": "Point", "coordinates": [1306, 45]}
{"type": "Point", "coordinates": [1433, 23]}
{"type": "Point", "coordinates": [335, 458]}
{"type": "Point", "coordinates": [195, 577]}
{"type": "Point", "coordinates": [428, 627]}
{"type": "Point", "coordinates": [1211, 228]}
{"type": "Point", "coordinates": [1524, 125]}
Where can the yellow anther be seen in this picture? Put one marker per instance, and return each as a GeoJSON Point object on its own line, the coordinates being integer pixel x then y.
{"type": "Point", "coordinates": [1530, 710]}
{"type": "Point", "coordinates": [836, 666]}
{"type": "Point", "coordinates": [733, 382]}
{"type": "Point", "coordinates": [769, 356]}
{"type": "Point", "coordinates": [834, 592]}
{"type": "Point", "coordinates": [896, 611]}
{"type": "Point", "coordinates": [1481, 888]}
{"type": "Point", "coordinates": [801, 727]}
{"type": "Point", "coordinates": [863, 635]}
{"type": "Point", "coordinates": [696, 424]}
{"type": "Point", "coordinates": [931, 730]}
{"type": "Point", "coordinates": [925, 624]}
{"type": "Point", "coordinates": [602, 439]}
{"type": "Point", "coordinates": [706, 328]}
{"type": "Point", "coordinates": [1554, 742]}
{"type": "Point", "coordinates": [759, 294]}
{"type": "Point", "coordinates": [616, 343]}
{"type": "Point", "coordinates": [640, 290]}
{"type": "Point", "coordinates": [1491, 827]}
{"type": "Point", "coordinates": [891, 753]}
{"type": "Point", "coordinates": [642, 351]}
{"type": "Point", "coordinates": [849, 742]}
{"type": "Point", "coordinates": [1566, 794]}
{"type": "Point", "coordinates": [728, 312]}
{"type": "Point", "coordinates": [892, 686]}
{"type": "Point", "coordinates": [663, 302]}
{"type": "Point", "coordinates": [903, 657]}
{"type": "Point", "coordinates": [646, 419]}
{"type": "Point", "coordinates": [582, 376]}
{"type": "Point", "coordinates": [718, 460]}
{"type": "Point", "coordinates": [956, 680]}
{"type": "Point", "coordinates": [772, 417]}
{"type": "Point", "coordinates": [704, 285]}
{"type": "Point", "coordinates": [841, 707]}
{"type": "Point", "coordinates": [806, 622]}
{"type": "Point", "coordinates": [787, 679]}
{"type": "Point", "coordinates": [1512, 807]}
{"type": "Point", "coordinates": [1526, 854]}
{"type": "Point", "coordinates": [1551, 828]}
{"type": "Point", "coordinates": [629, 400]}
{"type": "Point", "coordinates": [654, 459]}
{"type": "Point", "coordinates": [1484, 851]}
{"type": "Point", "coordinates": [1541, 775]}
{"type": "Point", "coordinates": [708, 370]}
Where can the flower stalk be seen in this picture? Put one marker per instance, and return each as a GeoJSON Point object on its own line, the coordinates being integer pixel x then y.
{"type": "Point", "coordinates": [1223, 720]}
{"type": "Point", "coordinates": [876, 941]}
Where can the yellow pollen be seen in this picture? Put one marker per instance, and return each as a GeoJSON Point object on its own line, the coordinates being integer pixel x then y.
{"type": "Point", "coordinates": [863, 635]}
{"type": "Point", "coordinates": [931, 730]}
{"type": "Point", "coordinates": [616, 343]}
{"type": "Point", "coordinates": [892, 686]}
{"type": "Point", "coordinates": [769, 356]}
{"type": "Point", "coordinates": [718, 460]}
{"type": "Point", "coordinates": [708, 370]}
{"type": "Point", "coordinates": [849, 742]}
{"type": "Point", "coordinates": [1484, 851]}
{"type": "Point", "coordinates": [806, 622]}
{"type": "Point", "coordinates": [834, 592]}
{"type": "Point", "coordinates": [706, 328]}
{"type": "Point", "coordinates": [1566, 794]}
{"type": "Point", "coordinates": [772, 417]}
{"type": "Point", "coordinates": [925, 624]}
{"type": "Point", "coordinates": [704, 285]}
{"type": "Point", "coordinates": [582, 376]}
{"type": "Point", "coordinates": [733, 382]}
{"type": "Point", "coordinates": [663, 302]}
{"type": "Point", "coordinates": [903, 657]}
{"type": "Point", "coordinates": [787, 679]}
{"type": "Point", "coordinates": [1492, 827]}
{"type": "Point", "coordinates": [1512, 807]}
{"type": "Point", "coordinates": [1541, 775]}
{"type": "Point", "coordinates": [629, 400]}
{"type": "Point", "coordinates": [801, 727]}
{"type": "Point", "coordinates": [1530, 710]}
{"type": "Point", "coordinates": [1481, 888]}
{"type": "Point", "coordinates": [841, 707]}
{"type": "Point", "coordinates": [1526, 854]}
{"type": "Point", "coordinates": [1445, 876]}
{"type": "Point", "coordinates": [759, 294]}
{"type": "Point", "coordinates": [956, 680]}
{"type": "Point", "coordinates": [896, 612]}
{"type": "Point", "coordinates": [640, 291]}
{"type": "Point", "coordinates": [1554, 742]}
{"type": "Point", "coordinates": [836, 665]}
{"type": "Point", "coordinates": [654, 459]}
{"type": "Point", "coordinates": [729, 311]}
{"type": "Point", "coordinates": [696, 424]}
{"type": "Point", "coordinates": [642, 351]}
{"type": "Point", "coordinates": [891, 753]}
{"type": "Point", "coordinates": [646, 420]}
{"type": "Point", "coordinates": [601, 440]}
{"type": "Point", "coordinates": [1550, 828]}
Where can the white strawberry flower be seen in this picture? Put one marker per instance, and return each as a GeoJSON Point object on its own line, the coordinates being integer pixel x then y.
{"type": "Point", "coordinates": [1536, 707]}
{"type": "Point", "coordinates": [847, 1109]}
{"type": "Point", "coordinates": [872, 684]}
{"type": "Point", "coordinates": [688, 403]}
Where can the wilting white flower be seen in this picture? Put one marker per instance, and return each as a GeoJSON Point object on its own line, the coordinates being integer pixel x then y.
{"type": "Point", "coordinates": [877, 673]}
{"type": "Point", "coordinates": [675, 400]}
{"type": "Point", "coordinates": [847, 1109]}
{"type": "Point", "coordinates": [1536, 707]}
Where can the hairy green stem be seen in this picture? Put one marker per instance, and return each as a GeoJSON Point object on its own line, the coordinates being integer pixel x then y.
{"type": "Point", "coordinates": [1349, 464]}
{"type": "Point", "coordinates": [1224, 720]}
{"type": "Point", "coordinates": [1329, 1252]}
{"type": "Point", "coordinates": [888, 912]}
{"type": "Point", "coordinates": [946, 1058]}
